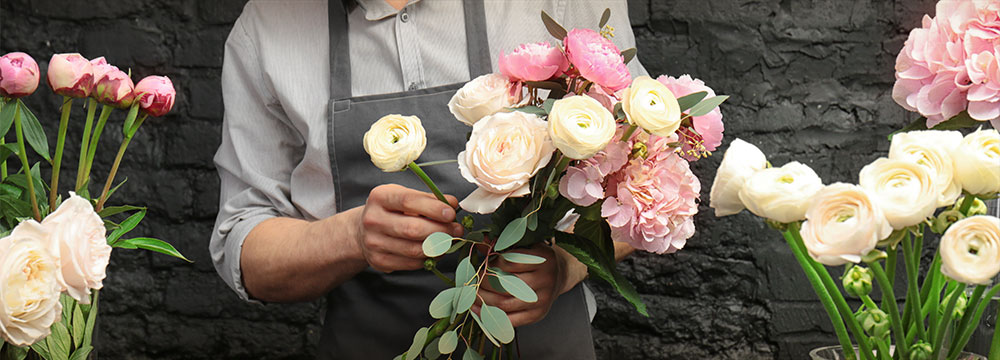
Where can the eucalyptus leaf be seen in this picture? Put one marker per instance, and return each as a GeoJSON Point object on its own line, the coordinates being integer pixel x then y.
{"type": "Point", "coordinates": [33, 132]}
{"type": "Point", "coordinates": [521, 258]}
{"type": "Point", "coordinates": [156, 245]}
{"type": "Point", "coordinates": [471, 354]}
{"type": "Point", "coordinates": [531, 109]}
{"type": "Point", "coordinates": [628, 54]}
{"type": "Point", "coordinates": [466, 297]}
{"type": "Point", "coordinates": [532, 221]}
{"type": "Point", "coordinates": [496, 284]}
{"type": "Point", "coordinates": [706, 106]}
{"type": "Point", "coordinates": [518, 288]}
{"type": "Point", "coordinates": [431, 350]}
{"type": "Point", "coordinates": [498, 323]}
{"type": "Point", "coordinates": [512, 233]}
{"type": "Point", "coordinates": [448, 342]}
{"type": "Point", "coordinates": [419, 339]}
{"type": "Point", "coordinates": [442, 305]}
{"type": "Point", "coordinates": [465, 272]}
{"type": "Point", "coordinates": [604, 18]}
{"type": "Point", "coordinates": [687, 101]}
{"type": "Point", "coordinates": [556, 30]}
{"type": "Point", "coordinates": [548, 104]}
{"type": "Point", "coordinates": [436, 244]}
{"type": "Point", "coordinates": [485, 331]}
{"type": "Point", "coordinates": [456, 246]}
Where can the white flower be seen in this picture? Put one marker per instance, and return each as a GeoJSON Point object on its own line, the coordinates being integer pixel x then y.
{"type": "Point", "coordinates": [484, 95]}
{"type": "Point", "coordinates": [977, 162]}
{"type": "Point", "coordinates": [781, 194]}
{"type": "Point", "coordinates": [742, 159]}
{"type": "Point", "coordinates": [652, 106]}
{"type": "Point", "coordinates": [904, 190]}
{"type": "Point", "coordinates": [842, 225]}
{"type": "Point", "coordinates": [84, 252]}
{"type": "Point", "coordinates": [394, 141]}
{"type": "Point", "coordinates": [970, 250]}
{"type": "Point", "coordinates": [580, 126]}
{"type": "Point", "coordinates": [29, 284]}
{"type": "Point", "coordinates": [931, 149]}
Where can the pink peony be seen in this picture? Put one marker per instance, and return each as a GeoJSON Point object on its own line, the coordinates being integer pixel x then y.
{"type": "Point", "coordinates": [114, 88]}
{"type": "Point", "coordinates": [597, 59]}
{"type": "Point", "coordinates": [155, 95]}
{"type": "Point", "coordinates": [708, 128]}
{"type": "Point", "coordinates": [70, 75]}
{"type": "Point", "coordinates": [18, 75]}
{"type": "Point", "coordinates": [532, 62]}
{"type": "Point", "coordinates": [583, 183]}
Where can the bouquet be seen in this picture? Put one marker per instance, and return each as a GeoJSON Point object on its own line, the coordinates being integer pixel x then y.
{"type": "Point", "coordinates": [599, 158]}
{"type": "Point", "coordinates": [932, 180]}
{"type": "Point", "coordinates": [54, 251]}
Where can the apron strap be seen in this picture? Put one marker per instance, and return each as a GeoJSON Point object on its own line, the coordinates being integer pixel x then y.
{"type": "Point", "coordinates": [477, 43]}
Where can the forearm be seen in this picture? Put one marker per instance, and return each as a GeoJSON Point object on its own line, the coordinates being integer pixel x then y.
{"type": "Point", "coordinates": [575, 271]}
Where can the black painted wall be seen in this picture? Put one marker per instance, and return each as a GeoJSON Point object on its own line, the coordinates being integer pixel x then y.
{"type": "Point", "coordinates": [810, 81]}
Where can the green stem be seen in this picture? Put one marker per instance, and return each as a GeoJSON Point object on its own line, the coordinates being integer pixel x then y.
{"type": "Point", "coordinates": [628, 132]}
{"type": "Point", "coordinates": [966, 321]}
{"type": "Point", "coordinates": [995, 343]}
{"type": "Point", "coordinates": [439, 162]}
{"type": "Point", "coordinates": [913, 294]}
{"type": "Point", "coordinates": [23, 154]}
{"type": "Point", "coordinates": [95, 137]}
{"type": "Point", "coordinates": [85, 143]}
{"type": "Point", "coordinates": [3, 164]}
{"type": "Point", "coordinates": [946, 322]}
{"type": "Point", "coordinates": [60, 142]}
{"type": "Point", "coordinates": [887, 292]}
{"type": "Point", "coordinates": [892, 256]}
{"type": "Point", "coordinates": [114, 171]}
{"type": "Point", "coordinates": [427, 180]}
{"type": "Point", "coordinates": [966, 334]}
{"type": "Point", "coordinates": [967, 204]}
{"type": "Point", "coordinates": [563, 163]}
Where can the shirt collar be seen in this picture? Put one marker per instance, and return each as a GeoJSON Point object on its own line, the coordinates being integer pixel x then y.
{"type": "Point", "coordinates": [379, 9]}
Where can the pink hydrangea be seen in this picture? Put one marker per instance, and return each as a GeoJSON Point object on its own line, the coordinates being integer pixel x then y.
{"type": "Point", "coordinates": [532, 62]}
{"type": "Point", "coordinates": [583, 184]}
{"type": "Point", "coordinates": [597, 59]}
{"type": "Point", "coordinates": [708, 128]}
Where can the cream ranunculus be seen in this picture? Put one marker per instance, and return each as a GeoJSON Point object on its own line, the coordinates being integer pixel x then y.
{"type": "Point", "coordinates": [977, 162]}
{"type": "Point", "coordinates": [580, 126]}
{"type": "Point", "coordinates": [843, 223]}
{"type": "Point", "coordinates": [931, 149]}
{"type": "Point", "coordinates": [29, 284]}
{"type": "Point", "coordinates": [742, 159]}
{"type": "Point", "coordinates": [483, 96]}
{"type": "Point", "coordinates": [83, 248]}
{"type": "Point", "coordinates": [970, 250]}
{"type": "Point", "coordinates": [504, 151]}
{"type": "Point", "coordinates": [781, 194]}
{"type": "Point", "coordinates": [651, 106]}
{"type": "Point", "coordinates": [394, 141]}
{"type": "Point", "coordinates": [904, 190]}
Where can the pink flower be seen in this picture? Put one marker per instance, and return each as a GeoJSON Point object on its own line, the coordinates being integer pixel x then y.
{"type": "Point", "coordinates": [708, 128]}
{"type": "Point", "coordinates": [70, 75]}
{"type": "Point", "coordinates": [606, 97]}
{"type": "Point", "coordinates": [597, 59]}
{"type": "Point", "coordinates": [155, 95]}
{"type": "Point", "coordinates": [18, 75]}
{"type": "Point", "coordinates": [114, 88]}
{"type": "Point", "coordinates": [583, 183]}
{"type": "Point", "coordinates": [532, 62]}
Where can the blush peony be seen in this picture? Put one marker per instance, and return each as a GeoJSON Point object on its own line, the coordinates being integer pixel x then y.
{"type": "Point", "coordinates": [597, 59]}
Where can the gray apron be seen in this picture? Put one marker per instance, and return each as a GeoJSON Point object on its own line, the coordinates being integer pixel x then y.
{"type": "Point", "coordinates": [374, 315]}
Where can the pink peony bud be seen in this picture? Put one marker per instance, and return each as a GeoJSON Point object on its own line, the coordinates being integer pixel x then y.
{"type": "Point", "coordinates": [597, 59]}
{"type": "Point", "coordinates": [532, 62]}
{"type": "Point", "coordinates": [70, 75]}
{"type": "Point", "coordinates": [18, 75]}
{"type": "Point", "coordinates": [114, 88]}
{"type": "Point", "coordinates": [155, 95]}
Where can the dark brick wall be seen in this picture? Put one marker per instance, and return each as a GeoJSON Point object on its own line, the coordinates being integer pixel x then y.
{"type": "Point", "coordinates": [810, 81]}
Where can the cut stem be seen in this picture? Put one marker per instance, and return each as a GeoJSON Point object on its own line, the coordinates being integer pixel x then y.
{"type": "Point", "coordinates": [23, 154]}
{"type": "Point", "coordinates": [897, 325]}
{"type": "Point", "coordinates": [114, 171]}
{"type": "Point", "coordinates": [60, 142]}
{"type": "Point", "coordinates": [427, 180]}
{"type": "Point", "coordinates": [628, 132]}
{"type": "Point", "coordinates": [967, 204]}
{"type": "Point", "coordinates": [105, 113]}
{"type": "Point", "coordinates": [85, 143]}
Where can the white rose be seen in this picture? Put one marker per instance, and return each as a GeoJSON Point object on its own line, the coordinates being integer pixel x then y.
{"type": "Point", "coordinates": [970, 250]}
{"type": "Point", "coordinates": [977, 162]}
{"type": "Point", "coordinates": [741, 160]}
{"type": "Point", "coordinates": [83, 248]}
{"type": "Point", "coordinates": [29, 285]}
{"type": "Point", "coordinates": [781, 194]}
{"type": "Point", "coordinates": [652, 106]}
{"type": "Point", "coordinates": [394, 141]}
{"type": "Point", "coordinates": [484, 95]}
{"type": "Point", "coordinates": [580, 126]}
{"type": "Point", "coordinates": [904, 190]}
{"type": "Point", "coordinates": [504, 151]}
{"type": "Point", "coordinates": [843, 224]}
{"type": "Point", "coordinates": [931, 149]}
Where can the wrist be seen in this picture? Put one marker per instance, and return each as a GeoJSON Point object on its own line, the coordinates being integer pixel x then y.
{"type": "Point", "coordinates": [342, 233]}
{"type": "Point", "coordinates": [573, 271]}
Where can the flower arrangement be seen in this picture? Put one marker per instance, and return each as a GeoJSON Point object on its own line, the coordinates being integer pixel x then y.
{"type": "Point", "coordinates": [54, 251]}
{"type": "Point", "coordinates": [600, 158]}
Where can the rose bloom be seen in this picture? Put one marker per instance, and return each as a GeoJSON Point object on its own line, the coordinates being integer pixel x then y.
{"type": "Point", "coordinates": [781, 194]}
{"type": "Point", "coordinates": [583, 183]}
{"type": "Point", "coordinates": [532, 62]}
{"type": "Point", "coordinates": [977, 162]}
{"type": "Point", "coordinates": [18, 75]}
{"type": "Point", "coordinates": [970, 250]}
{"type": "Point", "coordinates": [394, 141]}
{"type": "Point", "coordinates": [904, 190]}
{"type": "Point", "coordinates": [114, 89]}
{"type": "Point", "coordinates": [484, 95]}
{"type": "Point", "coordinates": [580, 126]}
{"type": "Point", "coordinates": [651, 106]}
{"type": "Point", "coordinates": [29, 284]}
{"type": "Point", "coordinates": [931, 149]}
{"type": "Point", "coordinates": [597, 59]}
{"type": "Point", "coordinates": [708, 126]}
{"type": "Point", "coordinates": [83, 249]}
{"type": "Point", "coordinates": [70, 75]}
{"type": "Point", "coordinates": [843, 224]}
{"type": "Point", "coordinates": [504, 151]}
{"type": "Point", "coordinates": [741, 160]}
{"type": "Point", "coordinates": [155, 95]}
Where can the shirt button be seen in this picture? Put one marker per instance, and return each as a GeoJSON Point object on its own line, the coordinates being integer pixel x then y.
{"type": "Point", "coordinates": [412, 86]}
{"type": "Point", "coordinates": [404, 17]}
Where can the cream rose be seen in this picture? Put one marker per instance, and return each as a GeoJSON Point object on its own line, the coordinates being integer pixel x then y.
{"type": "Point", "coordinates": [394, 141]}
{"type": "Point", "coordinates": [504, 151]}
{"type": "Point", "coordinates": [931, 149]}
{"type": "Point", "coordinates": [84, 252]}
{"type": "Point", "coordinates": [970, 250]}
{"type": "Point", "coordinates": [977, 162]}
{"type": "Point", "coordinates": [580, 126]}
{"type": "Point", "coordinates": [484, 95]}
{"type": "Point", "coordinates": [741, 160]}
{"type": "Point", "coordinates": [29, 285]}
{"type": "Point", "coordinates": [781, 194]}
{"type": "Point", "coordinates": [651, 106]}
{"type": "Point", "coordinates": [904, 190]}
{"type": "Point", "coordinates": [843, 224]}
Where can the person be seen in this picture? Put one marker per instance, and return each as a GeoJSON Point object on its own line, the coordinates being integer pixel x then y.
{"type": "Point", "coordinates": [304, 214]}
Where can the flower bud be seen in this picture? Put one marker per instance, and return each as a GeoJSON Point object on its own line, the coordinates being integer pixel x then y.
{"type": "Point", "coordinates": [639, 150]}
{"type": "Point", "coordinates": [978, 207]}
{"type": "Point", "coordinates": [893, 240]}
{"type": "Point", "coordinates": [921, 351]}
{"type": "Point", "coordinates": [858, 281]}
{"type": "Point", "coordinates": [18, 75]}
{"type": "Point", "coordinates": [960, 305]}
{"type": "Point", "coordinates": [114, 89]}
{"type": "Point", "coordinates": [945, 219]}
{"type": "Point", "coordinates": [70, 75]}
{"type": "Point", "coordinates": [155, 95]}
{"type": "Point", "coordinates": [468, 222]}
{"type": "Point", "coordinates": [875, 322]}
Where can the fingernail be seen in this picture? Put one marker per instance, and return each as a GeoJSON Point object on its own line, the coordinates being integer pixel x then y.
{"type": "Point", "coordinates": [446, 213]}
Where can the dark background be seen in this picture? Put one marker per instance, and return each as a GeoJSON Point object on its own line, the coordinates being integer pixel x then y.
{"type": "Point", "coordinates": [810, 81]}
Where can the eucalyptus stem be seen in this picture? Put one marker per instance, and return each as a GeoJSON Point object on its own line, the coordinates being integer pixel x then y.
{"type": "Point", "coordinates": [23, 154]}
{"type": "Point", "coordinates": [60, 142]}
{"type": "Point", "coordinates": [897, 325]}
{"type": "Point", "coordinates": [628, 133]}
{"type": "Point", "coordinates": [95, 137]}
{"type": "Point", "coordinates": [946, 323]}
{"type": "Point", "coordinates": [427, 180]}
{"type": "Point", "coordinates": [85, 143]}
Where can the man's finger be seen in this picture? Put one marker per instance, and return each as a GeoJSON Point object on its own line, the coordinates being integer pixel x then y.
{"type": "Point", "coordinates": [505, 302]}
{"type": "Point", "coordinates": [416, 228]}
{"type": "Point", "coordinates": [416, 202]}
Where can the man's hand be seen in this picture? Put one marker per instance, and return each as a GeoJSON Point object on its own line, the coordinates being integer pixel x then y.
{"type": "Point", "coordinates": [394, 222]}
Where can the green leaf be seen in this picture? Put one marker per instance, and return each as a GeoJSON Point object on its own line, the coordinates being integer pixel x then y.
{"type": "Point", "coordinates": [81, 353]}
{"type": "Point", "coordinates": [130, 223]}
{"type": "Point", "coordinates": [418, 343]}
{"type": "Point", "coordinates": [448, 343]}
{"type": "Point", "coordinates": [6, 117]}
{"type": "Point", "coordinates": [466, 297]}
{"type": "Point", "coordinates": [15, 207]}
{"type": "Point", "coordinates": [33, 132]}
{"type": "Point", "coordinates": [442, 305]}
{"type": "Point", "coordinates": [706, 106]}
{"type": "Point", "coordinates": [601, 265]}
{"type": "Point", "coordinates": [79, 324]}
{"type": "Point", "coordinates": [436, 244]}
{"type": "Point", "coordinates": [628, 54]}
{"type": "Point", "coordinates": [547, 105]}
{"type": "Point", "coordinates": [604, 18]}
{"type": "Point", "coordinates": [520, 258]}
{"type": "Point", "coordinates": [114, 210]}
{"type": "Point", "coordinates": [59, 342]}
{"type": "Point", "coordinates": [12, 352]}
{"type": "Point", "coordinates": [465, 272]}
{"type": "Point", "coordinates": [619, 111]}
{"type": "Point", "coordinates": [485, 331]}
{"type": "Point", "coordinates": [531, 109]}
{"type": "Point", "coordinates": [687, 101]}
{"type": "Point", "coordinates": [498, 324]}
{"type": "Point", "coordinates": [957, 122]}
{"type": "Point", "coordinates": [511, 234]}
{"type": "Point", "coordinates": [42, 348]}
{"type": "Point", "coordinates": [156, 245]}
{"type": "Point", "coordinates": [431, 350]}
{"type": "Point", "coordinates": [518, 288]}
{"type": "Point", "coordinates": [456, 246]}
{"type": "Point", "coordinates": [471, 354]}
{"type": "Point", "coordinates": [113, 189]}
{"type": "Point", "coordinates": [6, 150]}
{"type": "Point", "coordinates": [67, 308]}
{"type": "Point", "coordinates": [556, 30]}
{"type": "Point", "coordinates": [88, 333]}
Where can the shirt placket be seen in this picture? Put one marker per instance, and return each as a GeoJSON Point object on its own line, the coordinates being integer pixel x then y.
{"type": "Point", "coordinates": [410, 62]}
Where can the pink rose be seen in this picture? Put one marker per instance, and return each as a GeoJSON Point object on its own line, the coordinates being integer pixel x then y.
{"type": "Point", "coordinates": [70, 75]}
{"type": "Point", "coordinates": [18, 75]}
{"type": "Point", "coordinates": [532, 62]}
{"type": "Point", "coordinates": [84, 252]}
{"type": "Point", "coordinates": [155, 95]}
{"type": "Point", "coordinates": [597, 59]}
{"type": "Point", "coordinates": [708, 128]}
{"type": "Point", "coordinates": [114, 88]}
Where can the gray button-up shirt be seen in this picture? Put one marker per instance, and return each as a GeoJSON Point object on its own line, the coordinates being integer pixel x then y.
{"type": "Point", "coordinates": [273, 160]}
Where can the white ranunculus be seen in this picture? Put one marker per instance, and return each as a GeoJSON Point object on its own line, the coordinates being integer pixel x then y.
{"type": "Point", "coordinates": [843, 224]}
{"type": "Point", "coordinates": [970, 250]}
{"type": "Point", "coordinates": [904, 190]}
{"type": "Point", "coordinates": [483, 96]}
{"type": "Point", "coordinates": [931, 149]}
{"type": "Point", "coordinates": [651, 106]}
{"type": "Point", "coordinates": [977, 162]}
{"type": "Point", "coordinates": [580, 126]}
{"type": "Point", "coordinates": [504, 151]}
{"type": "Point", "coordinates": [29, 284]}
{"type": "Point", "coordinates": [741, 160]}
{"type": "Point", "coordinates": [83, 248]}
{"type": "Point", "coordinates": [394, 141]}
{"type": "Point", "coordinates": [781, 194]}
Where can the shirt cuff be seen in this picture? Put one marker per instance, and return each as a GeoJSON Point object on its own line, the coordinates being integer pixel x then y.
{"type": "Point", "coordinates": [234, 251]}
